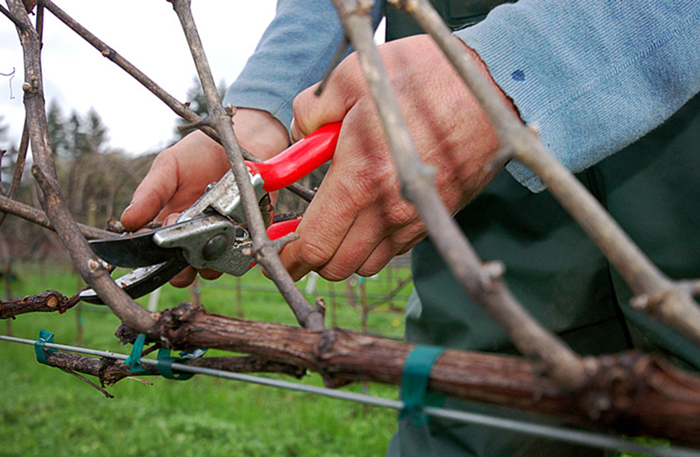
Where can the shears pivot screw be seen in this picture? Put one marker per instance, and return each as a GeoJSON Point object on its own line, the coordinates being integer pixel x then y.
{"type": "Point", "coordinates": [215, 247]}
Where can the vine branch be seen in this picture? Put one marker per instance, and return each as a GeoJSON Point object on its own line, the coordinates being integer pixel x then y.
{"type": "Point", "coordinates": [44, 173]}
{"type": "Point", "coordinates": [45, 302]}
{"type": "Point", "coordinates": [265, 250]}
{"type": "Point", "coordinates": [40, 218]}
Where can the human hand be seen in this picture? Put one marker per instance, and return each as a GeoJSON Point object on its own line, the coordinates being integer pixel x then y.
{"type": "Point", "coordinates": [358, 221]}
{"type": "Point", "coordinates": [180, 174]}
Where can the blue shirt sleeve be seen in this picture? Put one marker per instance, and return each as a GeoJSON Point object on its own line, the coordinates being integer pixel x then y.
{"type": "Point", "coordinates": [594, 76]}
{"type": "Point", "coordinates": [293, 54]}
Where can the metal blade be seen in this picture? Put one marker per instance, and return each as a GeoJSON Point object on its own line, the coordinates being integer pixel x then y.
{"type": "Point", "coordinates": [133, 251]}
{"type": "Point", "coordinates": [136, 250]}
{"type": "Point", "coordinates": [141, 281]}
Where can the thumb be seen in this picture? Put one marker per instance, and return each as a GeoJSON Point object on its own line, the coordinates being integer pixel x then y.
{"type": "Point", "coordinates": [156, 189]}
{"type": "Point", "coordinates": [311, 111]}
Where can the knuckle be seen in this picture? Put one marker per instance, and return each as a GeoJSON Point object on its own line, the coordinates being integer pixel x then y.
{"type": "Point", "coordinates": [163, 159]}
{"type": "Point", "coordinates": [300, 108]}
{"type": "Point", "coordinates": [313, 254]}
{"type": "Point", "coordinates": [330, 274]}
{"type": "Point", "coordinates": [400, 214]}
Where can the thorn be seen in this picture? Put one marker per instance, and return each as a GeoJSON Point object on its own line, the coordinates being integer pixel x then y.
{"type": "Point", "coordinates": [93, 265]}
{"type": "Point", "coordinates": [492, 272]}
{"type": "Point", "coordinates": [640, 302]}
{"type": "Point", "coordinates": [321, 306]}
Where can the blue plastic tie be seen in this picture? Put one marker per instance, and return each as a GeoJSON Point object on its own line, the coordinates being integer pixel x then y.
{"type": "Point", "coordinates": [414, 382]}
{"type": "Point", "coordinates": [165, 366]}
{"type": "Point", "coordinates": [134, 359]}
{"type": "Point", "coordinates": [40, 348]}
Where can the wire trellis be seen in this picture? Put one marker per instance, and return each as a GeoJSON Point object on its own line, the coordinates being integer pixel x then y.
{"type": "Point", "coordinates": [586, 438]}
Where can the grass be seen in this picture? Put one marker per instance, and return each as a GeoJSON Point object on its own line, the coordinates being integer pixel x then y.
{"type": "Point", "coordinates": [44, 410]}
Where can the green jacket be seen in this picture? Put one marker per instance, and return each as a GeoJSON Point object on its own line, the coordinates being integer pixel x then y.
{"type": "Point", "coordinates": [650, 188]}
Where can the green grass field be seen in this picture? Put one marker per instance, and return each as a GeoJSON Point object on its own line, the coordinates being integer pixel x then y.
{"type": "Point", "coordinates": [44, 410]}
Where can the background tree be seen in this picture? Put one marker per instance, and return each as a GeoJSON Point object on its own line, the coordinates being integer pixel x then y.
{"type": "Point", "coordinates": [57, 129]}
{"type": "Point", "coordinates": [94, 133]}
{"type": "Point", "coordinates": [96, 179]}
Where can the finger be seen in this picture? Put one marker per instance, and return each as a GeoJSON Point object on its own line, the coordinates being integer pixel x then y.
{"type": "Point", "coordinates": [184, 278]}
{"type": "Point", "coordinates": [322, 229]}
{"type": "Point", "coordinates": [314, 248]}
{"type": "Point", "coordinates": [349, 187]}
{"type": "Point", "coordinates": [171, 219]}
{"type": "Point", "coordinates": [151, 195]}
{"type": "Point", "coordinates": [384, 252]}
{"type": "Point", "coordinates": [209, 274]}
{"type": "Point", "coordinates": [370, 245]}
{"type": "Point", "coordinates": [361, 240]}
{"type": "Point", "coordinates": [378, 259]}
{"type": "Point", "coordinates": [343, 89]}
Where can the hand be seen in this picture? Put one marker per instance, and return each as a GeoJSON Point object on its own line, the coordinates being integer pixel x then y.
{"type": "Point", "coordinates": [358, 221]}
{"type": "Point", "coordinates": [180, 174]}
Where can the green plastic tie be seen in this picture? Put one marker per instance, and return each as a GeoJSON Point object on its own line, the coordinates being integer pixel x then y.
{"type": "Point", "coordinates": [134, 359]}
{"type": "Point", "coordinates": [414, 382]}
{"type": "Point", "coordinates": [165, 365]}
{"type": "Point", "coordinates": [40, 348]}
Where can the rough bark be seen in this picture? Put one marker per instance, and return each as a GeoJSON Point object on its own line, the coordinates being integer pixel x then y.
{"type": "Point", "coordinates": [630, 393]}
{"type": "Point", "coordinates": [45, 302]}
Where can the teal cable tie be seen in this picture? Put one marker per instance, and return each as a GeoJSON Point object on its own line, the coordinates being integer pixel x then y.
{"type": "Point", "coordinates": [40, 348]}
{"type": "Point", "coordinates": [165, 366]}
{"type": "Point", "coordinates": [414, 382]}
{"type": "Point", "coordinates": [134, 359]}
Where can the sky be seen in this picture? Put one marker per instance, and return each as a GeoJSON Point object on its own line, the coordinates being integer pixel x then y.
{"type": "Point", "coordinates": [148, 34]}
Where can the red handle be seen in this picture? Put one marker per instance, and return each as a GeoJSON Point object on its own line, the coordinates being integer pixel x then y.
{"type": "Point", "coordinates": [299, 159]}
{"type": "Point", "coordinates": [279, 229]}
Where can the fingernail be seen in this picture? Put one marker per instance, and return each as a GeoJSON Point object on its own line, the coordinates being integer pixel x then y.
{"type": "Point", "coordinates": [126, 210]}
{"type": "Point", "coordinates": [170, 220]}
{"type": "Point", "coordinates": [293, 132]}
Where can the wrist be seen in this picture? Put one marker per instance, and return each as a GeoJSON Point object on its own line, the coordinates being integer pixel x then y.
{"type": "Point", "coordinates": [485, 71]}
{"type": "Point", "coordinates": [259, 132]}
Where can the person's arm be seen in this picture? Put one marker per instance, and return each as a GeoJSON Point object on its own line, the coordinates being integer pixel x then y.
{"type": "Point", "coordinates": [293, 53]}
{"type": "Point", "coordinates": [593, 76]}
{"type": "Point", "coordinates": [358, 220]}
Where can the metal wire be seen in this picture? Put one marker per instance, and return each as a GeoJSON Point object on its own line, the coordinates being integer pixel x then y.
{"type": "Point", "coordinates": [585, 438]}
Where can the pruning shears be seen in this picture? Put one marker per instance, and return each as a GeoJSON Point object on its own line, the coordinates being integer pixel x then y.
{"type": "Point", "coordinates": [212, 232]}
